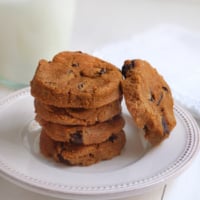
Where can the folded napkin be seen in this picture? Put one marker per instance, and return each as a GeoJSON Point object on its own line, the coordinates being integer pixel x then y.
{"type": "Point", "coordinates": [173, 51]}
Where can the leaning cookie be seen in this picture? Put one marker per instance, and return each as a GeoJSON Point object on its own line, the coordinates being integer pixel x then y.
{"type": "Point", "coordinates": [84, 155]}
{"type": "Point", "coordinates": [86, 135]}
{"type": "Point", "coordinates": [76, 80]}
{"type": "Point", "coordinates": [149, 100]}
{"type": "Point", "coordinates": [77, 116]}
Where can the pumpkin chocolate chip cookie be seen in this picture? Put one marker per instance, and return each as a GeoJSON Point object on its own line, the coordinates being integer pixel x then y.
{"type": "Point", "coordinates": [77, 116]}
{"type": "Point", "coordinates": [148, 99]}
{"type": "Point", "coordinates": [86, 135]}
{"type": "Point", "coordinates": [72, 154]}
{"type": "Point", "coordinates": [76, 80]}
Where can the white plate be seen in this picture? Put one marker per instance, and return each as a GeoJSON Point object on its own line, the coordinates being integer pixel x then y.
{"type": "Point", "coordinates": [135, 171]}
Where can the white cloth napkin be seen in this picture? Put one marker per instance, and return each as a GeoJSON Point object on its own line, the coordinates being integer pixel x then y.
{"type": "Point", "coordinates": [174, 51]}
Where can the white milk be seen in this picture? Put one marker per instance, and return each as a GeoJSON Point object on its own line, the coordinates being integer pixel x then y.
{"type": "Point", "coordinates": [31, 30]}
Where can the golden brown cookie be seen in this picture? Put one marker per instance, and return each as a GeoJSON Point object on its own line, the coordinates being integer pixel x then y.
{"type": "Point", "coordinates": [76, 80]}
{"type": "Point", "coordinates": [84, 155]}
{"type": "Point", "coordinates": [86, 135]}
{"type": "Point", "coordinates": [77, 116]}
{"type": "Point", "coordinates": [148, 99]}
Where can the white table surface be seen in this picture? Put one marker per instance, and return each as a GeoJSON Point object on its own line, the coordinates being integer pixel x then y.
{"type": "Point", "coordinates": [98, 23]}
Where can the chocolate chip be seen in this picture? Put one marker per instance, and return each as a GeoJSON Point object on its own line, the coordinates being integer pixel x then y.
{"type": "Point", "coordinates": [127, 66]}
{"type": "Point", "coordinates": [112, 138]}
{"type": "Point", "coordinates": [160, 99]}
{"type": "Point", "coordinates": [62, 160]}
{"type": "Point", "coordinates": [165, 88]}
{"type": "Point", "coordinates": [165, 126]}
{"type": "Point", "coordinates": [91, 155]}
{"type": "Point", "coordinates": [76, 138]}
{"type": "Point", "coordinates": [145, 128]}
{"type": "Point", "coordinates": [75, 64]}
{"type": "Point", "coordinates": [152, 96]}
{"type": "Point", "coordinates": [80, 85]}
{"type": "Point", "coordinates": [102, 71]}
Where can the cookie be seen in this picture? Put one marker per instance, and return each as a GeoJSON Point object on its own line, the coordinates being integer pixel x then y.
{"type": "Point", "coordinates": [149, 100]}
{"type": "Point", "coordinates": [77, 116]}
{"type": "Point", "coordinates": [86, 135]}
{"type": "Point", "coordinates": [84, 155]}
{"type": "Point", "coordinates": [76, 80]}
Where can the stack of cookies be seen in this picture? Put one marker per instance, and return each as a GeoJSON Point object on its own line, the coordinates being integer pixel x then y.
{"type": "Point", "coordinates": [78, 105]}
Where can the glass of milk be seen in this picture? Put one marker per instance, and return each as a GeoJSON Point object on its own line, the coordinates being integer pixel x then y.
{"type": "Point", "coordinates": [31, 30]}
